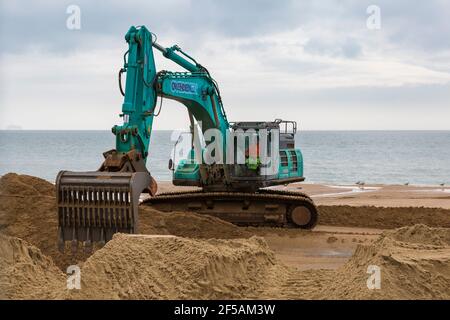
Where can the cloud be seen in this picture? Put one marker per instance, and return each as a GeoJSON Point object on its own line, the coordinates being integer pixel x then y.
{"type": "Point", "coordinates": [43, 23]}
{"type": "Point", "coordinates": [317, 52]}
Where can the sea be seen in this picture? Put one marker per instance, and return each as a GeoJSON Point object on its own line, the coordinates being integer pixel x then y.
{"type": "Point", "coordinates": [330, 157]}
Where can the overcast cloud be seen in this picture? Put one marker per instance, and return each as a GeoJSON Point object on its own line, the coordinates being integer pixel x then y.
{"type": "Point", "coordinates": [315, 62]}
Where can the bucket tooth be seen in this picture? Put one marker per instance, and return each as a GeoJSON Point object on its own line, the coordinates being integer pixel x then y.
{"type": "Point", "coordinates": [102, 237]}
{"type": "Point", "coordinates": [74, 243]}
{"type": "Point", "coordinates": [88, 246]}
{"type": "Point", "coordinates": [61, 243]}
{"type": "Point", "coordinates": [88, 242]}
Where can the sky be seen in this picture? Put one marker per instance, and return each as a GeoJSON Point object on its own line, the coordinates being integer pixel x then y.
{"type": "Point", "coordinates": [329, 65]}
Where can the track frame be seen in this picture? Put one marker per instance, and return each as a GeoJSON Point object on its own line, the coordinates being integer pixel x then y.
{"type": "Point", "coordinates": [266, 207]}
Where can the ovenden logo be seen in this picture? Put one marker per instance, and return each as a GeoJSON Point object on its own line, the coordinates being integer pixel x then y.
{"type": "Point", "coordinates": [184, 87]}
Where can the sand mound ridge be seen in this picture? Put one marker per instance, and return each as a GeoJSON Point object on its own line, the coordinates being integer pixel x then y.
{"type": "Point", "coordinates": [414, 264]}
{"type": "Point", "coordinates": [421, 233]}
{"type": "Point", "coordinates": [24, 185]}
{"type": "Point", "coordinates": [144, 267]}
{"type": "Point", "coordinates": [25, 273]}
{"type": "Point", "coordinates": [187, 224]}
{"type": "Point", "coordinates": [382, 217]}
{"type": "Point", "coordinates": [167, 267]}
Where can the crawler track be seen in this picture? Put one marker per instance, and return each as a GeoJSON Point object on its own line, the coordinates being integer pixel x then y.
{"type": "Point", "coordinates": [263, 208]}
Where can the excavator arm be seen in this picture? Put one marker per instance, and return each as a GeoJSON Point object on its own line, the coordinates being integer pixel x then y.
{"type": "Point", "coordinates": [195, 89]}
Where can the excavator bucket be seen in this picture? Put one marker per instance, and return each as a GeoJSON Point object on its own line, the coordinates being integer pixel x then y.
{"type": "Point", "coordinates": [92, 206]}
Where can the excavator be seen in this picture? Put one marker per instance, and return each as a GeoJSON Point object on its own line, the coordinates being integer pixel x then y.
{"type": "Point", "coordinates": [233, 178]}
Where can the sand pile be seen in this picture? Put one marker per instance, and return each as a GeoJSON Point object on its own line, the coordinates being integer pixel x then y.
{"type": "Point", "coordinates": [414, 264]}
{"type": "Point", "coordinates": [167, 267]}
{"type": "Point", "coordinates": [188, 224]}
{"type": "Point", "coordinates": [144, 267]}
{"type": "Point", "coordinates": [24, 185]}
{"type": "Point", "coordinates": [28, 211]}
{"type": "Point", "coordinates": [414, 261]}
{"type": "Point", "coordinates": [25, 273]}
{"type": "Point", "coordinates": [383, 217]}
{"type": "Point", "coordinates": [421, 233]}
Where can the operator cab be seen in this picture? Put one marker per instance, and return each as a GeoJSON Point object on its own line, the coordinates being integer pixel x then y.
{"type": "Point", "coordinates": [258, 154]}
{"type": "Point", "coordinates": [280, 164]}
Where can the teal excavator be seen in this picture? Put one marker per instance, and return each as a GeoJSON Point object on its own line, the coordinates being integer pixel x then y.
{"type": "Point", "coordinates": [232, 172]}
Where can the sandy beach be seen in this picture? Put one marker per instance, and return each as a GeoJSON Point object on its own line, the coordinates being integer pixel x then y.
{"type": "Point", "coordinates": [368, 195]}
{"type": "Point", "coordinates": [402, 229]}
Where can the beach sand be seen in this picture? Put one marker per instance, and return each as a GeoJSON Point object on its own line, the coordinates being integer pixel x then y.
{"type": "Point", "coordinates": [402, 229]}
